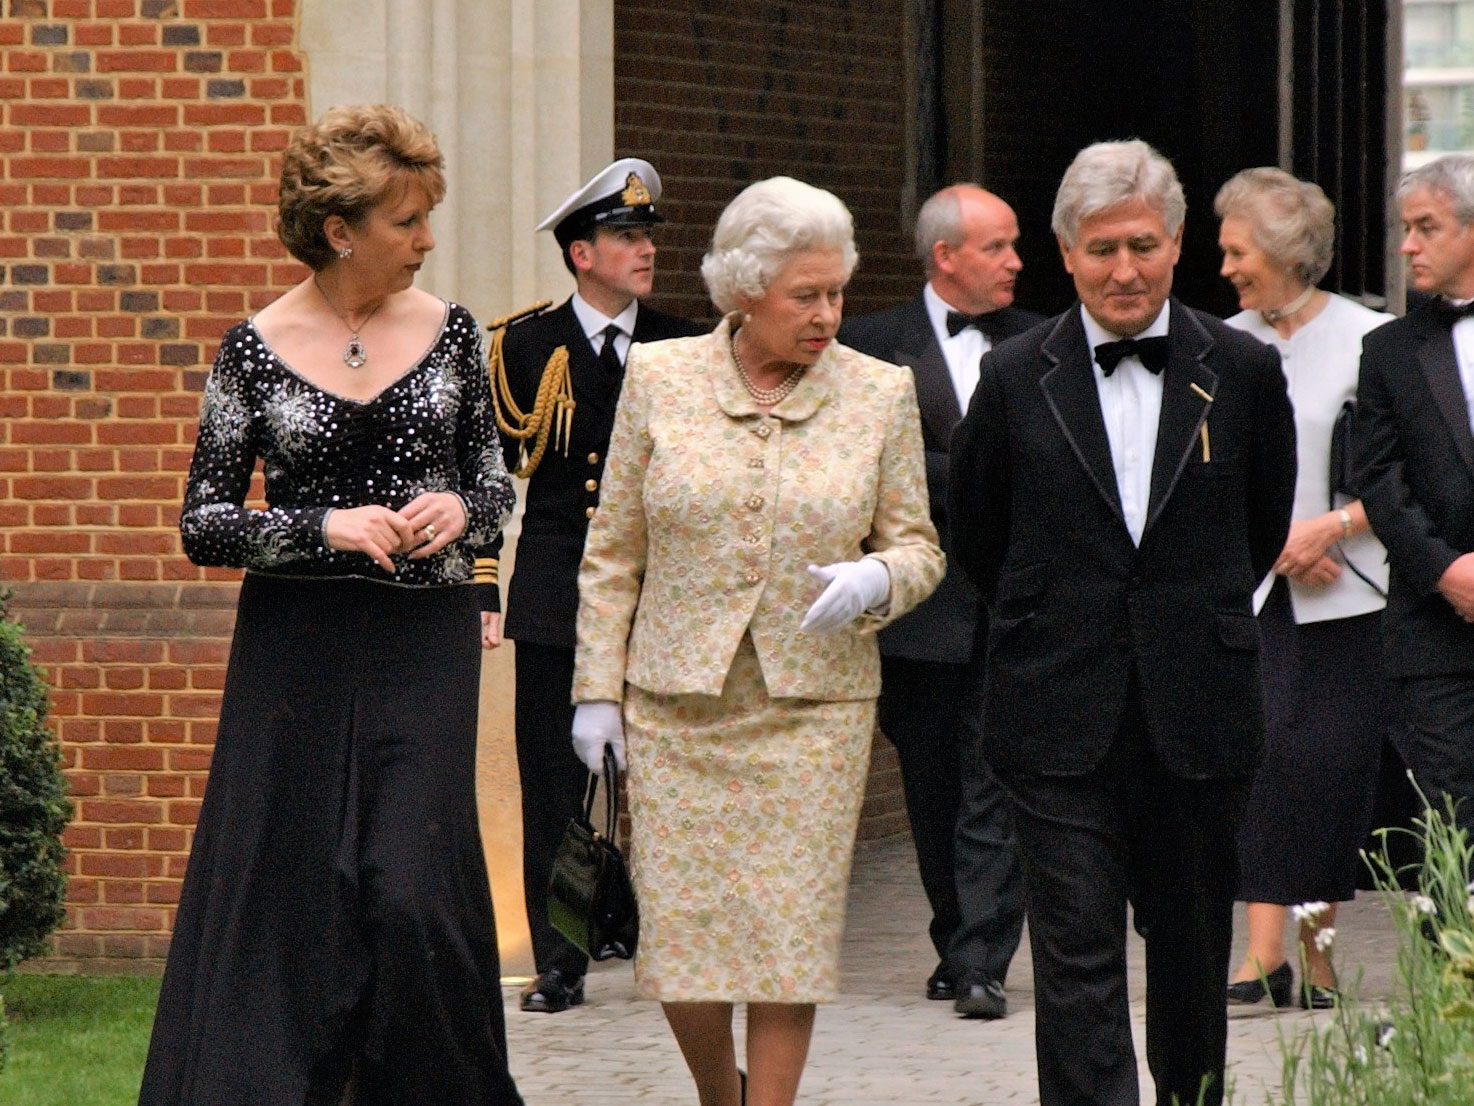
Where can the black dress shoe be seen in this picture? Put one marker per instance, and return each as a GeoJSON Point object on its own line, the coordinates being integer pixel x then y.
{"type": "Point", "coordinates": [940, 986]}
{"type": "Point", "coordinates": [1315, 997]}
{"type": "Point", "coordinates": [552, 992]}
{"type": "Point", "coordinates": [1280, 982]}
{"type": "Point", "coordinates": [981, 997]}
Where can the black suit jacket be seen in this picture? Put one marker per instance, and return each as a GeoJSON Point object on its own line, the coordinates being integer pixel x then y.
{"type": "Point", "coordinates": [1076, 606]}
{"type": "Point", "coordinates": [1415, 457]}
{"type": "Point", "coordinates": [542, 597]}
{"type": "Point", "coordinates": [942, 627]}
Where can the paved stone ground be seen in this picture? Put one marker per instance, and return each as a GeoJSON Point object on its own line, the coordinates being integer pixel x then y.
{"type": "Point", "coordinates": [882, 1043]}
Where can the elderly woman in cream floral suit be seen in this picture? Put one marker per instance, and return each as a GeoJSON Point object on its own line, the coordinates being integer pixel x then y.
{"type": "Point", "coordinates": [763, 512]}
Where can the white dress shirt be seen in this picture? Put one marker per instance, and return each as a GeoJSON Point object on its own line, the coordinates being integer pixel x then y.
{"type": "Point", "coordinates": [962, 351]}
{"type": "Point", "coordinates": [1463, 336]}
{"type": "Point", "coordinates": [1131, 401]}
{"type": "Point", "coordinates": [594, 323]}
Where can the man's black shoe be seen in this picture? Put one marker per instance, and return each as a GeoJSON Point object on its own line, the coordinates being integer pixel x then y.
{"type": "Point", "coordinates": [981, 997]}
{"type": "Point", "coordinates": [939, 986]}
{"type": "Point", "coordinates": [552, 992]}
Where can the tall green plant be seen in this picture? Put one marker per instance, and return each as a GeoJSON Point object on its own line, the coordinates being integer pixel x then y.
{"type": "Point", "coordinates": [33, 808]}
{"type": "Point", "coordinates": [1418, 1050]}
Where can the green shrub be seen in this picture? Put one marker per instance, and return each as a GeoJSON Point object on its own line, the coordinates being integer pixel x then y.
{"type": "Point", "coordinates": [33, 808]}
{"type": "Point", "coordinates": [1419, 1047]}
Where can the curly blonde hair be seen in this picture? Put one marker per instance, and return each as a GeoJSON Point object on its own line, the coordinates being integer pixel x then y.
{"type": "Point", "coordinates": [345, 164]}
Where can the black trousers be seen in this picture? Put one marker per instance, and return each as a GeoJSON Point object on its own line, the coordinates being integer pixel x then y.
{"type": "Point", "coordinates": [960, 820]}
{"type": "Point", "coordinates": [1438, 743]}
{"type": "Point", "coordinates": [1128, 833]}
{"type": "Point", "coordinates": [553, 783]}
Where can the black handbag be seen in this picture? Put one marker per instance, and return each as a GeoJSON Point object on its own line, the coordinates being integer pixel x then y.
{"type": "Point", "coordinates": [590, 898]}
{"type": "Point", "coordinates": [1343, 476]}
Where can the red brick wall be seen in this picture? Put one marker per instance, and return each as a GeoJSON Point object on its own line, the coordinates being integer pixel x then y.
{"type": "Point", "coordinates": [138, 143]}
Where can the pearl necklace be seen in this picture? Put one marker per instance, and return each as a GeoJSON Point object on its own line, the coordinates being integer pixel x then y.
{"type": "Point", "coordinates": [355, 356]}
{"type": "Point", "coordinates": [766, 397]}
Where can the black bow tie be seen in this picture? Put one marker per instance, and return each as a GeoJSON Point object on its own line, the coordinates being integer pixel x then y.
{"type": "Point", "coordinates": [1152, 351]}
{"type": "Point", "coordinates": [957, 322]}
{"type": "Point", "coordinates": [1451, 313]}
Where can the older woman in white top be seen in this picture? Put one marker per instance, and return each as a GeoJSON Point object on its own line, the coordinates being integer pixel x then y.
{"type": "Point", "coordinates": [1320, 610]}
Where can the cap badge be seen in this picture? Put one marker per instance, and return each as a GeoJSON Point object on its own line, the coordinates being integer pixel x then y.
{"type": "Point", "coordinates": [635, 192]}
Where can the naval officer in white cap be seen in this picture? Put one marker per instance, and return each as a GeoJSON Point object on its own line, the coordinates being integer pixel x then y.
{"type": "Point", "coordinates": [576, 353]}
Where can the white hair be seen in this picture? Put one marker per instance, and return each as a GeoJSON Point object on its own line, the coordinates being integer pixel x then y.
{"type": "Point", "coordinates": [1290, 219]}
{"type": "Point", "coordinates": [1110, 173]}
{"type": "Point", "coordinates": [940, 220]}
{"type": "Point", "coordinates": [763, 228]}
{"type": "Point", "coordinates": [1452, 175]}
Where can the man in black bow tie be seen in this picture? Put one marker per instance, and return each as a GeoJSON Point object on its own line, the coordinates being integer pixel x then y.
{"type": "Point", "coordinates": [1416, 469]}
{"type": "Point", "coordinates": [1120, 483]}
{"type": "Point", "coordinates": [966, 239]}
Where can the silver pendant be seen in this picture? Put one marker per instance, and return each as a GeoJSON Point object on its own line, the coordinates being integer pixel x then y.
{"type": "Point", "coordinates": [355, 356]}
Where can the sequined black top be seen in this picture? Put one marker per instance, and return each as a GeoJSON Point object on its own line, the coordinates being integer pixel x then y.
{"type": "Point", "coordinates": [433, 429]}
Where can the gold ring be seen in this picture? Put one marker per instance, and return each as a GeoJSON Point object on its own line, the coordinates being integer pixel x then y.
{"type": "Point", "coordinates": [430, 531]}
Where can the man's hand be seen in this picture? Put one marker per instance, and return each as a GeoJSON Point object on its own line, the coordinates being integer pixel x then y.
{"type": "Point", "coordinates": [491, 629]}
{"type": "Point", "coordinates": [1457, 586]}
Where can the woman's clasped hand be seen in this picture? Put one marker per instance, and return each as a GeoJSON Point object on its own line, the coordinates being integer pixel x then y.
{"type": "Point", "coordinates": [426, 525]}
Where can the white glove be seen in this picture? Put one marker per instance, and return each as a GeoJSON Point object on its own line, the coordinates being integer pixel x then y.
{"type": "Point", "coordinates": [596, 724]}
{"type": "Point", "coordinates": [854, 587]}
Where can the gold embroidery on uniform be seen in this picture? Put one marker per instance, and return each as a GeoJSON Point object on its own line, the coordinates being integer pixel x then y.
{"type": "Point", "coordinates": [552, 410]}
{"type": "Point", "coordinates": [635, 191]}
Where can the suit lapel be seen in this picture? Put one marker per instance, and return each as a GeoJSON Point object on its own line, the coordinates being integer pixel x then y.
{"type": "Point", "coordinates": [1440, 367]}
{"type": "Point", "coordinates": [917, 349]}
{"type": "Point", "coordinates": [1187, 384]}
{"type": "Point", "coordinates": [1069, 389]}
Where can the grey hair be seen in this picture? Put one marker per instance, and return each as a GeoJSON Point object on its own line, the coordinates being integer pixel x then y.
{"type": "Point", "coordinates": [763, 228]}
{"type": "Point", "coordinates": [1290, 219]}
{"type": "Point", "coordinates": [940, 220]}
{"type": "Point", "coordinates": [1109, 173]}
{"type": "Point", "coordinates": [1452, 174]}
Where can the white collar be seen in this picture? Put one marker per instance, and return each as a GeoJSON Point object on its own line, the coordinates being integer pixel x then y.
{"type": "Point", "coordinates": [595, 321]}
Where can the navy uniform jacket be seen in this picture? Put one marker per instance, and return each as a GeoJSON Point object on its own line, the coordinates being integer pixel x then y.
{"type": "Point", "coordinates": [942, 628]}
{"type": "Point", "coordinates": [542, 597]}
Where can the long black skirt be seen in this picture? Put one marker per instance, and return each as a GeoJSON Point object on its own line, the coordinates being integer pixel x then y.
{"type": "Point", "coordinates": [335, 928]}
{"type": "Point", "coordinates": [1327, 707]}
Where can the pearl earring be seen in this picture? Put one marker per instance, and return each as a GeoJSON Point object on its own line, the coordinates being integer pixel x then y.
{"type": "Point", "coordinates": [346, 252]}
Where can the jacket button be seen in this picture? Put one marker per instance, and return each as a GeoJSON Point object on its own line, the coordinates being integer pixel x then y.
{"type": "Point", "coordinates": [755, 502]}
{"type": "Point", "coordinates": [752, 577]}
{"type": "Point", "coordinates": [593, 458]}
{"type": "Point", "coordinates": [588, 512]}
{"type": "Point", "coordinates": [590, 485]}
{"type": "Point", "coordinates": [755, 463]}
{"type": "Point", "coordinates": [762, 430]}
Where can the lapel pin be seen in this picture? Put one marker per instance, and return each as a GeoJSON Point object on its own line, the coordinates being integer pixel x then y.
{"type": "Point", "coordinates": [1200, 391]}
{"type": "Point", "coordinates": [1203, 433]}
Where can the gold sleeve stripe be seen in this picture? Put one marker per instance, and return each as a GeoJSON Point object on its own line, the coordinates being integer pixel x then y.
{"type": "Point", "coordinates": [485, 570]}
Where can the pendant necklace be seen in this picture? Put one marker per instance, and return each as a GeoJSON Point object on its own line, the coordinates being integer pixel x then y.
{"type": "Point", "coordinates": [766, 397]}
{"type": "Point", "coordinates": [354, 354]}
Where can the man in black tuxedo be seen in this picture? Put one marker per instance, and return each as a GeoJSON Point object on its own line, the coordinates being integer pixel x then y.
{"type": "Point", "coordinates": [1120, 483]}
{"type": "Point", "coordinates": [577, 351]}
{"type": "Point", "coordinates": [1416, 474]}
{"type": "Point", "coordinates": [966, 239]}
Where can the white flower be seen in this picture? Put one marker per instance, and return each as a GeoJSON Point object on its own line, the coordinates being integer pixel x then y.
{"type": "Point", "coordinates": [1360, 1053]}
{"type": "Point", "coordinates": [1324, 938]}
{"type": "Point", "coordinates": [1470, 904]}
{"type": "Point", "coordinates": [1422, 904]}
{"type": "Point", "coordinates": [1309, 911]}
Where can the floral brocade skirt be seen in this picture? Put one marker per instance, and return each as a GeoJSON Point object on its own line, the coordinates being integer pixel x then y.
{"type": "Point", "coordinates": [743, 810]}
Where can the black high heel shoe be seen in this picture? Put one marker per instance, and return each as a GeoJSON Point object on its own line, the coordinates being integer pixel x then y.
{"type": "Point", "coordinates": [1278, 984]}
{"type": "Point", "coordinates": [1315, 997]}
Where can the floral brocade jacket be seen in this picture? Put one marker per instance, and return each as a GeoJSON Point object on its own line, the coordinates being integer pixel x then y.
{"type": "Point", "coordinates": [711, 512]}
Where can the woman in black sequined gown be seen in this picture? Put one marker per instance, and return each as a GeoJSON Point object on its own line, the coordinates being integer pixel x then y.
{"type": "Point", "coordinates": [335, 940]}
